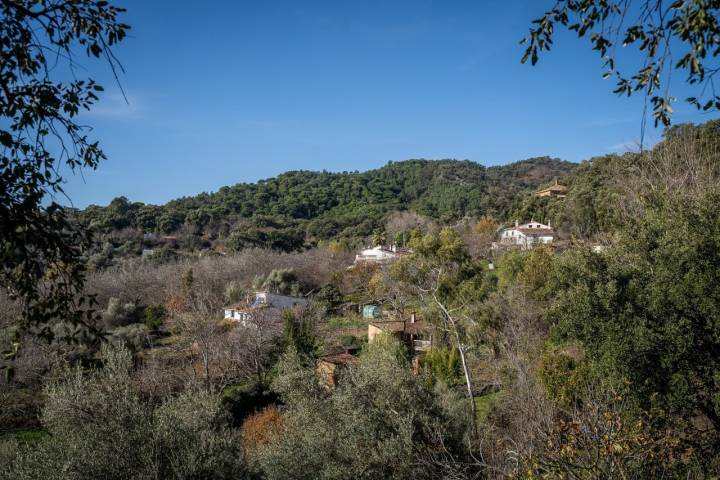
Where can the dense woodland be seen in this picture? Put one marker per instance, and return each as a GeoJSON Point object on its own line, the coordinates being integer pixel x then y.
{"type": "Point", "coordinates": [557, 362]}
{"type": "Point", "coordinates": [298, 210]}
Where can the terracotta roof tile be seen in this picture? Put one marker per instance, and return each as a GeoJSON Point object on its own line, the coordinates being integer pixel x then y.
{"type": "Point", "coordinates": [339, 359]}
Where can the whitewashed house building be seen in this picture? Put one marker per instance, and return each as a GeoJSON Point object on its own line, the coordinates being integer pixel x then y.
{"type": "Point", "coordinates": [268, 305]}
{"type": "Point", "coordinates": [380, 254]}
{"type": "Point", "coordinates": [527, 235]}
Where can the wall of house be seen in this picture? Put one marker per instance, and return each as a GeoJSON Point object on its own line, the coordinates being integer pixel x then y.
{"type": "Point", "coordinates": [326, 373]}
{"type": "Point", "coordinates": [373, 331]}
{"type": "Point", "coordinates": [280, 301]}
{"type": "Point", "coordinates": [231, 314]}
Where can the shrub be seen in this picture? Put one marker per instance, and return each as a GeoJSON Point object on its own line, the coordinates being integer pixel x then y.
{"type": "Point", "coordinates": [258, 429]}
{"type": "Point", "coordinates": [133, 337]}
{"type": "Point", "coordinates": [155, 316]}
{"type": "Point", "coordinates": [100, 428]}
{"type": "Point", "coordinates": [119, 314]}
{"type": "Point", "coordinates": [442, 364]}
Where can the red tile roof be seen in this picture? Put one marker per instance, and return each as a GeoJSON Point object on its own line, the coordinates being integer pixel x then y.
{"type": "Point", "coordinates": [339, 359]}
{"type": "Point", "coordinates": [535, 231]}
{"type": "Point", "coordinates": [399, 326]}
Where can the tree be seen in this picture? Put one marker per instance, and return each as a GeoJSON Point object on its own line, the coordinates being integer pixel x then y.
{"type": "Point", "coordinates": [680, 35]}
{"type": "Point", "coordinates": [596, 439]}
{"type": "Point", "coordinates": [329, 296]}
{"type": "Point", "coordinates": [299, 330]}
{"type": "Point", "coordinates": [486, 228]}
{"type": "Point", "coordinates": [282, 281]}
{"type": "Point", "coordinates": [202, 335]}
{"type": "Point", "coordinates": [442, 364]}
{"type": "Point", "coordinates": [40, 248]}
{"type": "Point", "coordinates": [443, 279]}
{"type": "Point", "coordinates": [100, 428]}
{"type": "Point", "coordinates": [234, 292]}
{"type": "Point", "coordinates": [155, 316]}
{"type": "Point", "coordinates": [381, 421]}
{"type": "Point", "coordinates": [119, 314]}
{"type": "Point", "coordinates": [646, 311]}
{"type": "Point", "coordinates": [378, 238]}
{"type": "Point", "coordinates": [258, 429]}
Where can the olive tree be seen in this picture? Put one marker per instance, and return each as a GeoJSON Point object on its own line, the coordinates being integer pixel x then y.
{"type": "Point", "coordinates": [99, 427]}
{"type": "Point", "coordinates": [381, 421]}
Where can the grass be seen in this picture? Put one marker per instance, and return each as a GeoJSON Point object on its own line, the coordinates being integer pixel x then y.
{"type": "Point", "coordinates": [24, 436]}
{"type": "Point", "coordinates": [165, 341]}
{"type": "Point", "coordinates": [484, 405]}
{"type": "Point", "coordinates": [347, 322]}
{"type": "Point", "coordinates": [239, 388]}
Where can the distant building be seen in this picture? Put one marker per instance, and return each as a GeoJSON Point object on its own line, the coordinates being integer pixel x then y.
{"type": "Point", "coordinates": [415, 334]}
{"type": "Point", "coordinates": [371, 311]}
{"type": "Point", "coordinates": [328, 367]}
{"type": "Point", "coordinates": [527, 235]}
{"type": "Point", "coordinates": [380, 254]}
{"type": "Point", "coordinates": [269, 305]}
{"type": "Point", "coordinates": [556, 190]}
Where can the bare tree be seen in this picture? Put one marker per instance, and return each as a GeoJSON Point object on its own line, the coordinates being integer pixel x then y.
{"type": "Point", "coordinates": [252, 347]}
{"type": "Point", "coordinates": [401, 222]}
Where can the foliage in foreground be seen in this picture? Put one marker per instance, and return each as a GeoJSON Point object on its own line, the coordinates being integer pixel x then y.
{"type": "Point", "coordinates": [100, 428]}
{"type": "Point", "coordinates": [380, 422]}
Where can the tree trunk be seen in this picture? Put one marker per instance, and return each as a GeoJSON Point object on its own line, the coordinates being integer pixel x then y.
{"type": "Point", "coordinates": [468, 381]}
{"type": "Point", "coordinates": [466, 370]}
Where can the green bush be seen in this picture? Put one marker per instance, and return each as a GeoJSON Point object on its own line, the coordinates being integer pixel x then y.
{"type": "Point", "coordinates": [155, 316]}
{"type": "Point", "coordinates": [100, 428]}
{"type": "Point", "coordinates": [133, 337]}
{"type": "Point", "coordinates": [119, 314]}
{"type": "Point", "coordinates": [442, 364]}
{"type": "Point", "coordinates": [381, 421]}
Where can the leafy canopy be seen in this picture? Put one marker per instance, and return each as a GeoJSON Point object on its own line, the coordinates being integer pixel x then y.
{"type": "Point", "coordinates": [39, 247]}
{"type": "Point", "coordinates": [681, 35]}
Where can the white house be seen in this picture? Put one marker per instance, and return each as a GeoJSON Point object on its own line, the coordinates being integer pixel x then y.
{"type": "Point", "coordinates": [265, 303]}
{"type": "Point", "coordinates": [527, 235]}
{"type": "Point", "coordinates": [380, 254]}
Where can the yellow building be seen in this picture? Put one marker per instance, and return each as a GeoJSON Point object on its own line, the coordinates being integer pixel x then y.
{"type": "Point", "coordinates": [328, 367]}
{"type": "Point", "coordinates": [556, 190]}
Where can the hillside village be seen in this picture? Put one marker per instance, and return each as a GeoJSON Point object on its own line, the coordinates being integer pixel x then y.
{"type": "Point", "coordinates": [268, 307]}
{"type": "Point", "coordinates": [431, 298]}
{"type": "Point", "coordinates": [456, 310]}
{"type": "Point", "coordinates": [420, 319]}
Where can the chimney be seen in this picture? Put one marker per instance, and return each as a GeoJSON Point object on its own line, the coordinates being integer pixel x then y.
{"type": "Point", "coordinates": [393, 248]}
{"type": "Point", "coordinates": [412, 317]}
{"type": "Point", "coordinates": [517, 224]}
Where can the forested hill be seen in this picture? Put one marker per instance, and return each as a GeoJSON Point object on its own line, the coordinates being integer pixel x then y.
{"type": "Point", "coordinates": [296, 207]}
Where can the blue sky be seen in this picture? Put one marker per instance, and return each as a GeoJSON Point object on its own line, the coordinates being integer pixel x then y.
{"type": "Point", "coordinates": [224, 92]}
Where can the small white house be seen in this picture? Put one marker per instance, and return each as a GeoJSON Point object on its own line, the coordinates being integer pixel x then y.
{"type": "Point", "coordinates": [380, 254]}
{"type": "Point", "coordinates": [527, 235]}
{"type": "Point", "coordinates": [271, 304]}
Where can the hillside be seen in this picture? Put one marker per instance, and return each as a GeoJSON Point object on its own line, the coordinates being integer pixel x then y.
{"type": "Point", "coordinates": [298, 208]}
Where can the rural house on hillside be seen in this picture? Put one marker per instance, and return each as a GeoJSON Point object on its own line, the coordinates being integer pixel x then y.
{"type": "Point", "coordinates": [380, 254]}
{"type": "Point", "coordinates": [556, 190]}
{"type": "Point", "coordinates": [269, 305]}
{"type": "Point", "coordinates": [415, 334]}
{"type": "Point", "coordinates": [526, 236]}
{"type": "Point", "coordinates": [328, 367]}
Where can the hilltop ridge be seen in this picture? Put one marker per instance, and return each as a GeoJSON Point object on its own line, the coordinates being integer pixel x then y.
{"type": "Point", "coordinates": [296, 208]}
